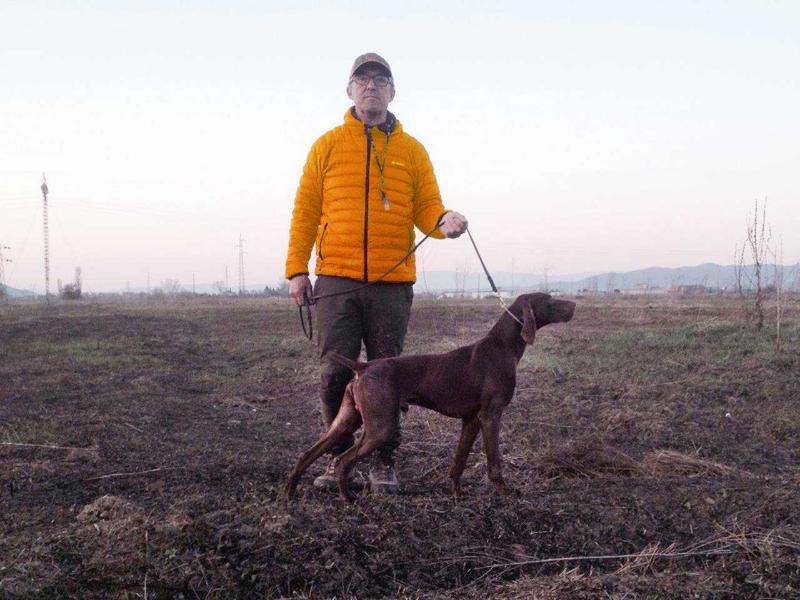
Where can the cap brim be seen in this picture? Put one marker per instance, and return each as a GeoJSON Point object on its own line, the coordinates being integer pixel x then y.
{"type": "Point", "coordinates": [373, 64]}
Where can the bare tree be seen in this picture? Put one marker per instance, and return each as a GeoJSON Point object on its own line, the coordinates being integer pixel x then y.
{"type": "Point", "coordinates": [171, 287]}
{"type": "Point", "coordinates": [739, 277]}
{"type": "Point", "coordinates": [71, 291]}
{"type": "Point", "coordinates": [756, 248]}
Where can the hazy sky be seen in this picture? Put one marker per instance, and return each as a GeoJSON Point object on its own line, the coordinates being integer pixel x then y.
{"type": "Point", "coordinates": [575, 136]}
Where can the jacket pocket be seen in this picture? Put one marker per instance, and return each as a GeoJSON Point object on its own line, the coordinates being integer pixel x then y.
{"type": "Point", "coordinates": [320, 240]}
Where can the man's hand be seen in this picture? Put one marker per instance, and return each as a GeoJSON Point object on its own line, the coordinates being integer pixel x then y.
{"type": "Point", "coordinates": [300, 289]}
{"type": "Point", "coordinates": [453, 224]}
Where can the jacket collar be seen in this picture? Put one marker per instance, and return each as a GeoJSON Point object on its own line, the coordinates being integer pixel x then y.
{"type": "Point", "coordinates": [390, 125]}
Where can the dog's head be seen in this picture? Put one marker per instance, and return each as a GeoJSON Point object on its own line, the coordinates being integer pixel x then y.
{"type": "Point", "coordinates": [538, 310]}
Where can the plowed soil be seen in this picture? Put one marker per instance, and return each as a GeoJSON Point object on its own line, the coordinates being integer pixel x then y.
{"type": "Point", "coordinates": [654, 444]}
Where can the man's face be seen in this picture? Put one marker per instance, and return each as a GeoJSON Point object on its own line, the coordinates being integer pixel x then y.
{"type": "Point", "coordinates": [370, 98]}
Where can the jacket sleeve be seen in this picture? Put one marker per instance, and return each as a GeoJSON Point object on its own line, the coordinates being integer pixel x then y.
{"type": "Point", "coordinates": [428, 207]}
{"type": "Point", "coordinates": [306, 214]}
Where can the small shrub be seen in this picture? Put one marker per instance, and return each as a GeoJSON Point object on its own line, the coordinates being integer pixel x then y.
{"type": "Point", "coordinates": [71, 291]}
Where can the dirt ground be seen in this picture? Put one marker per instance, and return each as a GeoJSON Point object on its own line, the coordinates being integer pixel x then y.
{"type": "Point", "coordinates": [654, 443]}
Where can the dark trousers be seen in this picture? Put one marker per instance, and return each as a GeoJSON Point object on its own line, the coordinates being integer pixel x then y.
{"type": "Point", "coordinates": [377, 316]}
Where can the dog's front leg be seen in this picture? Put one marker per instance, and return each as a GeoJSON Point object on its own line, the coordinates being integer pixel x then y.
{"type": "Point", "coordinates": [489, 418]}
{"type": "Point", "coordinates": [469, 431]}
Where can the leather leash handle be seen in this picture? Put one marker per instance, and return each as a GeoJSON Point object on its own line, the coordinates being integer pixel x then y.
{"type": "Point", "coordinates": [309, 333]}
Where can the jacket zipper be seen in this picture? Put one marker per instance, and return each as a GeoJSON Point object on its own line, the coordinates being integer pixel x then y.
{"type": "Point", "coordinates": [366, 200]}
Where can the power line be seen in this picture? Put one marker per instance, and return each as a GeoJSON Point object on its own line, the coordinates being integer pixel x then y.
{"type": "Point", "coordinates": [20, 250]}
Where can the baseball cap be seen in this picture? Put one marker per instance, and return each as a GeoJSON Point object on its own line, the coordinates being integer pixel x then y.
{"type": "Point", "coordinates": [370, 58]}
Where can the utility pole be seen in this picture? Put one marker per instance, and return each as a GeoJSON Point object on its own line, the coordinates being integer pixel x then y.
{"type": "Point", "coordinates": [148, 283]}
{"type": "Point", "coordinates": [194, 291]}
{"type": "Point", "coordinates": [45, 191]}
{"type": "Point", "coordinates": [3, 291]}
{"type": "Point", "coordinates": [241, 265]}
{"type": "Point", "coordinates": [227, 287]}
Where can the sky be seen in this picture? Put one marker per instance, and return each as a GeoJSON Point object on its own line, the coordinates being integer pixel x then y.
{"type": "Point", "coordinates": [576, 137]}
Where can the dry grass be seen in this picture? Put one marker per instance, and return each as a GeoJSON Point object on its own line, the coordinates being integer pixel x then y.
{"type": "Point", "coordinates": [654, 443]}
{"type": "Point", "coordinates": [669, 463]}
{"type": "Point", "coordinates": [585, 457]}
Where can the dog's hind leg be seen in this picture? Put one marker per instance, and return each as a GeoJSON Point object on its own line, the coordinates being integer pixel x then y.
{"type": "Point", "coordinates": [469, 431]}
{"type": "Point", "coordinates": [381, 415]}
{"type": "Point", "coordinates": [347, 422]}
{"type": "Point", "coordinates": [347, 460]}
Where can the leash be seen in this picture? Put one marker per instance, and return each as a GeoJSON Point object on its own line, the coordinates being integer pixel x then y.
{"type": "Point", "coordinates": [491, 281]}
{"type": "Point", "coordinates": [309, 301]}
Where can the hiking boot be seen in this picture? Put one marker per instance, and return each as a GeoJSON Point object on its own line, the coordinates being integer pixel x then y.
{"type": "Point", "coordinates": [327, 481]}
{"type": "Point", "coordinates": [383, 479]}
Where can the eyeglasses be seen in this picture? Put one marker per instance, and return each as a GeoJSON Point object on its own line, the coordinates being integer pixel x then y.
{"type": "Point", "coordinates": [379, 80]}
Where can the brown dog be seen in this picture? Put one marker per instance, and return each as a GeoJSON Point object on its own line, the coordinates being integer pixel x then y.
{"type": "Point", "coordinates": [473, 383]}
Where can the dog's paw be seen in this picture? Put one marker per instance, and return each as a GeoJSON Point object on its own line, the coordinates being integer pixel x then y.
{"type": "Point", "coordinates": [288, 492]}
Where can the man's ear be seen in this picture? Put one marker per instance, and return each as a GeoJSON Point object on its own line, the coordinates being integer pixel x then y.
{"type": "Point", "coordinates": [528, 324]}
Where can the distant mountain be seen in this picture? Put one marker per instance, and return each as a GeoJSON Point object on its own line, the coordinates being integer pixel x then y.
{"type": "Point", "coordinates": [708, 274]}
{"type": "Point", "coordinates": [15, 293]}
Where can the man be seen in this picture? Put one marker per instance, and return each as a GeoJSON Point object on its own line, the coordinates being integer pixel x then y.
{"type": "Point", "coordinates": [365, 185]}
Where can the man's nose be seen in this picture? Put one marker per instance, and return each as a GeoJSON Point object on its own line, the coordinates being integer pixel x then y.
{"type": "Point", "coordinates": [371, 84]}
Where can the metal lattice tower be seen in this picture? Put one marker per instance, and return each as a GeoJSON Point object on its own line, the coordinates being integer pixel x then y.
{"type": "Point", "coordinates": [240, 246]}
{"type": "Point", "coordinates": [45, 191]}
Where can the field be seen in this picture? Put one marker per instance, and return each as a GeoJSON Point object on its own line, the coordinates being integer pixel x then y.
{"type": "Point", "coordinates": [655, 444]}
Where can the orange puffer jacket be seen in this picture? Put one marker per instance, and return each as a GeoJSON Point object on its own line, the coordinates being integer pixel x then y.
{"type": "Point", "coordinates": [339, 207]}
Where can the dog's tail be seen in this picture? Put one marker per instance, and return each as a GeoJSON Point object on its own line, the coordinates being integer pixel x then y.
{"type": "Point", "coordinates": [356, 366]}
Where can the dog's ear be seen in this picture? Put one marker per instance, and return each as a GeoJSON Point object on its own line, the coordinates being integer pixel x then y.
{"type": "Point", "coordinates": [528, 324]}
